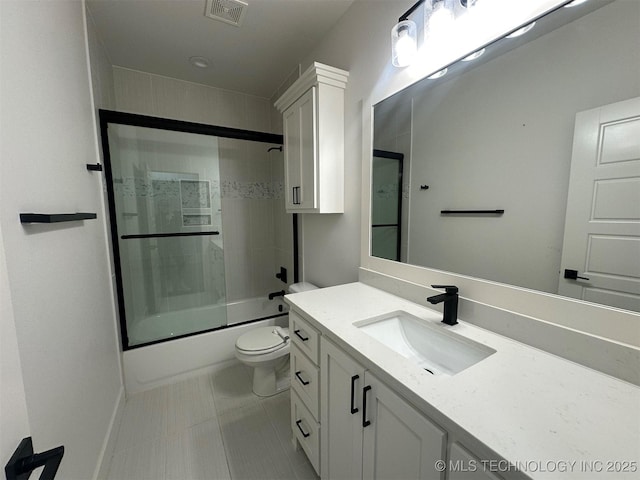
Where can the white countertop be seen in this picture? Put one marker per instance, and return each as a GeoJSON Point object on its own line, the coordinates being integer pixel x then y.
{"type": "Point", "coordinates": [528, 406]}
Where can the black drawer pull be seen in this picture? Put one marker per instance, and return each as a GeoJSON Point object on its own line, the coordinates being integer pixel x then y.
{"type": "Point", "coordinates": [300, 378]}
{"type": "Point", "coordinates": [297, 332]}
{"type": "Point", "coordinates": [304, 434]}
{"type": "Point", "coordinates": [354, 409]}
{"type": "Point", "coordinates": [365, 422]}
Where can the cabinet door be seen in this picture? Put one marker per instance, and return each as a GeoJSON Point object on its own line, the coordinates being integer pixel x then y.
{"type": "Point", "coordinates": [341, 382]}
{"type": "Point", "coordinates": [299, 127]}
{"type": "Point", "coordinates": [291, 130]}
{"type": "Point", "coordinates": [463, 465]}
{"type": "Point", "coordinates": [399, 443]}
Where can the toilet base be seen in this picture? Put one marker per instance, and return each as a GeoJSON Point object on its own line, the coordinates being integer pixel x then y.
{"type": "Point", "coordinates": [268, 381]}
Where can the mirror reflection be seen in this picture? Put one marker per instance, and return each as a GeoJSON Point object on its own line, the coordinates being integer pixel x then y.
{"type": "Point", "coordinates": [522, 166]}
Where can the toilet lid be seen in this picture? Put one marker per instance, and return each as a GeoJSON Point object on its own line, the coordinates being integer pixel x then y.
{"type": "Point", "coordinates": [260, 340]}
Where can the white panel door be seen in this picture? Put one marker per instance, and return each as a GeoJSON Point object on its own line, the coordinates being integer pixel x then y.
{"type": "Point", "coordinates": [341, 385]}
{"type": "Point", "coordinates": [291, 131]}
{"type": "Point", "coordinates": [399, 443]}
{"type": "Point", "coordinates": [602, 226]}
{"type": "Point", "coordinates": [308, 149]}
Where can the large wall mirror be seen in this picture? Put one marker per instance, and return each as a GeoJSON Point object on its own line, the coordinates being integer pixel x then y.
{"type": "Point", "coordinates": [522, 166]}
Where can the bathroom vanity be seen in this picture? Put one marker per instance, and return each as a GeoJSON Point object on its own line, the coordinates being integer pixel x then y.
{"type": "Point", "coordinates": [364, 408]}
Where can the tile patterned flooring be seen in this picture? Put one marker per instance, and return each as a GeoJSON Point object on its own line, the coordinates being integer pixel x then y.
{"type": "Point", "coordinates": [208, 428]}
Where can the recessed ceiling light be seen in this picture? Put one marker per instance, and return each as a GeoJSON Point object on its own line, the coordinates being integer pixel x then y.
{"type": "Point", "coordinates": [438, 74]}
{"type": "Point", "coordinates": [474, 55]}
{"type": "Point", "coordinates": [199, 62]}
{"type": "Point", "coordinates": [521, 31]}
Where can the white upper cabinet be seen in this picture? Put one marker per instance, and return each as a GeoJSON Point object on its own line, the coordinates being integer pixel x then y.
{"type": "Point", "coordinates": [313, 128]}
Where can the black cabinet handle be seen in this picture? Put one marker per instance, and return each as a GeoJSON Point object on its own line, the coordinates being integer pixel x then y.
{"type": "Point", "coordinates": [365, 422]}
{"type": "Point", "coordinates": [354, 409]}
{"type": "Point", "coordinates": [304, 434]}
{"type": "Point", "coordinates": [300, 378]}
{"type": "Point", "coordinates": [297, 332]}
{"type": "Point", "coordinates": [296, 195]}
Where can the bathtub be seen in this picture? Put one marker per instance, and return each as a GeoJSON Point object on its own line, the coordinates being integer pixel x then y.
{"type": "Point", "coordinates": [184, 322]}
{"type": "Point", "coordinates": [162, 363]}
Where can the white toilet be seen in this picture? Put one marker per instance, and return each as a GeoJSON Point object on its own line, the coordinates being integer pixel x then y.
{"type": "Point", "coordinates": [266, 350]}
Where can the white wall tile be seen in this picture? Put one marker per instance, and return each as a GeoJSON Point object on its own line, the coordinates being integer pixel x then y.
{"type": "Point", "coordinates": [133, 91]}
{"type": "Point", "coordinates": [258, 113]}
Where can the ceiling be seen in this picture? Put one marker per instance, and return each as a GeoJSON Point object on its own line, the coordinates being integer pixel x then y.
{"type": "Point", "coordinates": [159, 36]}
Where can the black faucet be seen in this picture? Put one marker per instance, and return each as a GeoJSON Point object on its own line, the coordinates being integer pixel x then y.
{"type": "Point", "coordinates": [450, 299]}
{"type": "Point", "coordinates": [273, 295]}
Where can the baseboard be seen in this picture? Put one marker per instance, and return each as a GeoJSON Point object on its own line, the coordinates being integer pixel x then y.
{"type": "Point", "coordinates": [104, 459]}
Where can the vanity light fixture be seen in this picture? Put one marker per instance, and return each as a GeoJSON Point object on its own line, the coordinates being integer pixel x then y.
{"type": "Point", "coordinates": [404, 43]}
{"type": "Point", "coordinates": [438, 18]}
{"type": "Point", "coordinates": [521, 31]}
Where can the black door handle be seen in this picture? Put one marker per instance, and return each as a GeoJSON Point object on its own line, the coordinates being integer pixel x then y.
{"type": "Point", "coordinates": [354, 409]}
{"type": "Point", "coordinates": [304, 434]}
{"type": "Point", "coordinates": [300, 378]}
{"type": "Point", "coordinates": [24, 461]}
{"type": "Point", "coordinates": [573, 275]}
{"type": "Point", "coordinates": [365, 422]}
{"type": "Point", "coordinates": [297, 332]}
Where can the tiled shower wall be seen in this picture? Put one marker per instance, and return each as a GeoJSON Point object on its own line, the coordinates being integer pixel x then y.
{"type": "Point", "coordinates": [257, 233]}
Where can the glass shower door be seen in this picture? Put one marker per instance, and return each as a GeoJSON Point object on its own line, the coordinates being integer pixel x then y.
{"type": "Point", "coordinates": [166, 188]}
{"type": "Point", "coordinates": [386, 204]}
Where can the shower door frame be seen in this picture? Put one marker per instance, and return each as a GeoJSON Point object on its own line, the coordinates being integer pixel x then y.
{"type": "Point", "coordinates": [145, 121]}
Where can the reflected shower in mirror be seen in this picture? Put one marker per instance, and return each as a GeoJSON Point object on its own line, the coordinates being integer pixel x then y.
{"type": "Point", "coordinates": [546, 127]}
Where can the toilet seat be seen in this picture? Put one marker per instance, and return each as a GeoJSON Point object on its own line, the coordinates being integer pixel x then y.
{"type": "Point", "coordinates": [261, 341]}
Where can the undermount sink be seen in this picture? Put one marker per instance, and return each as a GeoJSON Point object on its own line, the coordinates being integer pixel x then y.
{"type": "Point", "coordinates": [430, 345]}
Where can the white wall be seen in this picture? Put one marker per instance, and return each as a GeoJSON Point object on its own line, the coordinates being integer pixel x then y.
{"type": "Point", "coordinates": [14, 419]}
{"type": "Point", "coordinates": [58, 274]}
{"type": "Point", "coordinates": [360, 44]}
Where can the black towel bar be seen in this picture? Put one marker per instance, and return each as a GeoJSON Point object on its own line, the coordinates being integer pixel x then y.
{"type": "Point", "coordinates": [471, 212]}
{"type": "Point", "coordinates": [55, 217]}
{"type": "Point", "coordinates": [164, 235]}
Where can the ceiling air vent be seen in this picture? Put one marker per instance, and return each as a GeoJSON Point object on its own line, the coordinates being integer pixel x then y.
{"type": "Point", "coordinates": [228, 11]}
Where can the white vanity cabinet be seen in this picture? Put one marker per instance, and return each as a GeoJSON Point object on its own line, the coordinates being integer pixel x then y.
{"type": "Point", "coordinates": [305, 387]}
{"type": "Point", "coordinates": [313, 128]}
{"type": "Point", "coordinates": [463, 465]}
{"type": "Point", "coordinates": [369, 431]}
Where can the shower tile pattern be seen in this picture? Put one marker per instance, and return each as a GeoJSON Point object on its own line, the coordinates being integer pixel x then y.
{"type": "Point", "coordinates": [208, 427]}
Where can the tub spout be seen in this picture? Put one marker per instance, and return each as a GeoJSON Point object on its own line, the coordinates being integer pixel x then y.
{"type": "Point", "coordinates": [273, 295]}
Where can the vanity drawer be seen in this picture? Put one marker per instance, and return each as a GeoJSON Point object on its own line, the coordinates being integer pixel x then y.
{"type": "Point", "coordinates": [305, 379]}
{"type": "Point", "coordinates": [304, 336]}
{"type": "Point", "coordinates": [306, 430]}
